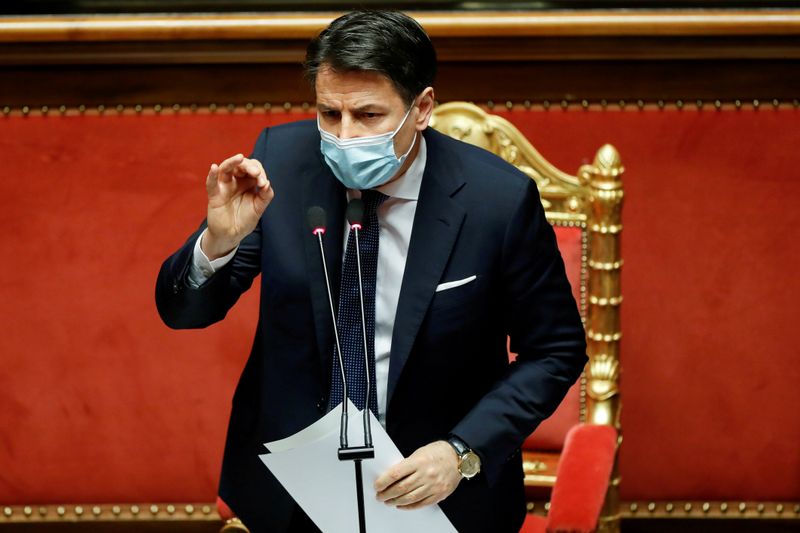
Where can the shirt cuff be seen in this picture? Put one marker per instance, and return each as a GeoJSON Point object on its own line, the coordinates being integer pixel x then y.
{"type": "Point", "coordinates": [202, 267]}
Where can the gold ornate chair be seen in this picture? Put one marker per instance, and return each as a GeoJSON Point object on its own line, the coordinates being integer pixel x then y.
{"type": "Point", "coordinates": [585, 210]}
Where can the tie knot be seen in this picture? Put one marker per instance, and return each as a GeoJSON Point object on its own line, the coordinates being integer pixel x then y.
{"type": "Point", "coordinates": [372, 199]}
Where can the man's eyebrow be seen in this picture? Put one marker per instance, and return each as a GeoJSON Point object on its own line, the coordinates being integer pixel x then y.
{"type": "Point", "coordinates": [371, 108]}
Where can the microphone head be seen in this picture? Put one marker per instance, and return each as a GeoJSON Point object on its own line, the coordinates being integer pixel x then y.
{"type": "Point", "coordinates": [316, 219]}
{"type": "Point", "coordinates": [355, 213]}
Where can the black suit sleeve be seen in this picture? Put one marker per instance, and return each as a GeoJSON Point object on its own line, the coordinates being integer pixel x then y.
{"type": "Point", "coordinates": [182, 306]}
{"type": "Point", "coordinates": [545, 329]}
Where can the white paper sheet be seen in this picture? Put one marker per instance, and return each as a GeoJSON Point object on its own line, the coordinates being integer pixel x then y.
{"type": "Point", "coordinates": [308, 466]}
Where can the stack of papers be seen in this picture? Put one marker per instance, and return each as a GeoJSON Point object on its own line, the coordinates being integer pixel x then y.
{"type": "Point", "coordinates": [308, 466]}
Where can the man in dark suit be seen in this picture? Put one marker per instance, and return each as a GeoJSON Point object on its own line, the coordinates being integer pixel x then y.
{"type": "Point", "coordinates": [462, 258]}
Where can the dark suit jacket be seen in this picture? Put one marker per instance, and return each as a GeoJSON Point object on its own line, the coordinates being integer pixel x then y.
{"type": "Point", "coordinates": [477, 215]}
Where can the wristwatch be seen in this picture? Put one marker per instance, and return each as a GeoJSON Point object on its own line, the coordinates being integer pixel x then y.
{"type": "Point", "coordinates": [469, 464]}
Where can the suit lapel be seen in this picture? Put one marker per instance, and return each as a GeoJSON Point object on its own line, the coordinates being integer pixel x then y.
{"type": "Point", "coordinates": [325, 191]}
{"type": "Point", "coordinates": [437, 222]}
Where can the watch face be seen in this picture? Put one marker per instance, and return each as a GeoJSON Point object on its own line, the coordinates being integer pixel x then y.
{"type": "Point", "coordinates": [470, 465]}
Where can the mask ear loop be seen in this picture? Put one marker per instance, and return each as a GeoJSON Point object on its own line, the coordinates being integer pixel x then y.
{"type": "Point", "coordinates": [403, 157]}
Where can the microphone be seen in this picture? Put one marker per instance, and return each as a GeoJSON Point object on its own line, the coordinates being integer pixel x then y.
{"type": "Point", "coordinates": [316, 221]}
{"type": "Point", "coordinates": [355, 213]}
{"type": "Point", "coordinates": [355, 216]}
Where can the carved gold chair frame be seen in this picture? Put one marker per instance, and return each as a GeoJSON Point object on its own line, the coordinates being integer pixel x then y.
{"type": "Point", "coordinates": [591, 201]}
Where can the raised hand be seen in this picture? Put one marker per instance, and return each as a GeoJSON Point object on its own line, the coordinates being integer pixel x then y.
{"type": "Point", "coordinates": [238, 193]}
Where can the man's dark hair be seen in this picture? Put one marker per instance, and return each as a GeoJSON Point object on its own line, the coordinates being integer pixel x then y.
{"type": "Point", "coordinates": [387, 42]}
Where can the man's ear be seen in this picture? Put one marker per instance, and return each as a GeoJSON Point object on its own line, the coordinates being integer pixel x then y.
{"type": "Point", "coordinates": [425, 102]}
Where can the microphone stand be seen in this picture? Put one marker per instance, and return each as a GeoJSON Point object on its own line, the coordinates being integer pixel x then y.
{"type": "Point", "coordinates": [347, 453]}
{"type": "Point", "coordinates": [359, 453]}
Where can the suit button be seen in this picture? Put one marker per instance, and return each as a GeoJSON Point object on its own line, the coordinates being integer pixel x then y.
{"type": "Point", "coordinates": [176, 288]}
{"type": "Point", "coordinates": [322, 404]}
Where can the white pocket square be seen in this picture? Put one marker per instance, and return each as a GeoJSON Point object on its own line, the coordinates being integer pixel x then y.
{"type": "Point", "coordinates": [453, 284]}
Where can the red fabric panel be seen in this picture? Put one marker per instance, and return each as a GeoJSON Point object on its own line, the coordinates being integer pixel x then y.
{"type": "Point", "coordinates": [95, 391]}
{"type": "Point", "coordinates": [99, 400]}
{"type": "Point", "coordinates": [582, 478]}
{"type": "Point", "coordinates": [550, 434]}
{"type": "Point", "coordinates": [709, 346]}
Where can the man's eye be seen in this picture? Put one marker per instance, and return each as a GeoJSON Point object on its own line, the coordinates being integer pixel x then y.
{"type": "Point", "coordinates": [330, 114]}
{"type": "Point", "coordinates": [370, 115]}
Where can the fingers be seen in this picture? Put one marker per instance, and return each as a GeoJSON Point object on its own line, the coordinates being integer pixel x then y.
{"type": "Point", "coordinates": [236, 175]}
{"type": "Point", "coordinates": [227, 167]}
{"type": "Point", "coordinates": [430, 500]}
{"type": "Point", "coordinates": [400, 488]}
{"type": "Point", "coordinates": [411, 497]}
{"type": "Point", "coordinates": [263, 197]}
{"type": "Point", "coordinates": [394, 474]}
{"type": "Point", "coordinates": [251, 169]}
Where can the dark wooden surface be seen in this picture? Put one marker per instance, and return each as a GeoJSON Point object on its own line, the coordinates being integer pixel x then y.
{"type": "Point", "coordinates": [592, 55]}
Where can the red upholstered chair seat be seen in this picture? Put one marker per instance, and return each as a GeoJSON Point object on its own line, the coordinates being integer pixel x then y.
{"type": "Point", "coordinates": [582, 480]}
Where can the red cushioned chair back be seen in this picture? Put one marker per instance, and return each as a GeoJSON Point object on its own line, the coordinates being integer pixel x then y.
{"type": "Point", "coordinates": [583, 475]}
{"type": "Point", "coordinates": [550, 435]}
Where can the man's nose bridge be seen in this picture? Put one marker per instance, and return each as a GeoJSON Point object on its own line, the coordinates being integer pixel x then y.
{"type": "Point", "coordinates": [346, 126]}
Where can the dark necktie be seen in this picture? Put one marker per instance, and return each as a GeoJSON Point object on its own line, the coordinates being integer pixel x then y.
{"type": "Point", "coordinates": [348, 320]}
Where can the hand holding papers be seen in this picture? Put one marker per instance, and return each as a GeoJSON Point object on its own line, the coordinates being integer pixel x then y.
{"type": "Point", "coordinates": [308, 467]}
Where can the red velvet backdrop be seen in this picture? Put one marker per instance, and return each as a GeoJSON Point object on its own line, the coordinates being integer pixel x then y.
{"type": "Point", "coordinates": [92, 205]}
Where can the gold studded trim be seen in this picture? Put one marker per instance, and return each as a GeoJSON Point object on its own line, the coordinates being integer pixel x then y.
{"type": "Point", "coordinates": [157, 109]}
{"type": "Point", "coordinates": [607, 337]}
{"type": "Point", "coordinates": [605, 302]}
{"type": "Point", "coordinates": [584, 282]}
{"type": "Point", "coordinates": [607, 228]}
{"type": "Point", "coordinates": [711, 509]}
{"type": "Point", "coordinates": [683, 509]}
{"type": "Point", "coordinates": [304, 107]}
{"type": "Point", "coordinates": [110, 512]}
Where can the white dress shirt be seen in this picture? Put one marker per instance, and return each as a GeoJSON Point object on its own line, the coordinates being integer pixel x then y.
{"type": "Point", "coordinates": [396, 219]}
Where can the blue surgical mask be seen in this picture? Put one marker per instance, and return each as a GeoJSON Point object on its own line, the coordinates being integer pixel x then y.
{"type": "Point", "coordinates": [363, 162]}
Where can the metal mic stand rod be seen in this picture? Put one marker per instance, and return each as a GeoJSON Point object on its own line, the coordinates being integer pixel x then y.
{"type": "Point", "coordinates": [357, 455]}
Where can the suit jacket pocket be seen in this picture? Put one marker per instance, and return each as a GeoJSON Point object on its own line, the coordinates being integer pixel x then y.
{"type": "Point", "coordinates": [464, 292]}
